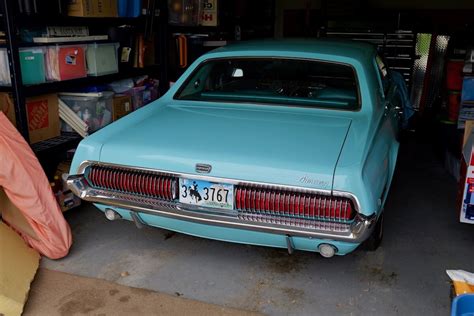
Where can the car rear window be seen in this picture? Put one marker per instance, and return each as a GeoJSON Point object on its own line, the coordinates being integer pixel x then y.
{"type": "Point", "coordinates": [295, 82]}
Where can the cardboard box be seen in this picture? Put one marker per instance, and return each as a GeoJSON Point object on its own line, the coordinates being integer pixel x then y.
{"type": "Point", "coordinates": [43, 117]}
{"type": "Point", "coordinates": [92, 8]}
{"type": "Point", "coordinates": [18, 265]}
{"type": "Point", "coordinates": [466, 185]}
{"type": "Point", "coordinates": [7, 107]}
{"type": "Point", "coordinates": [122, 106]}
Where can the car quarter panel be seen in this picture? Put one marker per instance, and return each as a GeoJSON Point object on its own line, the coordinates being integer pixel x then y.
{"type": "Point", "coordinates": [369, 174]}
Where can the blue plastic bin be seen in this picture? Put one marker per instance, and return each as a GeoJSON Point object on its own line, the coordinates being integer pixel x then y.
{"type": "Point", "coordinates": [463, 305]}
{"type": "Point", "coordinates": [129, 8]}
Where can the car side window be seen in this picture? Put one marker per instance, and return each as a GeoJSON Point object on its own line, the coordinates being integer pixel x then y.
{"type": "Point", "coordinates": [383, 72]}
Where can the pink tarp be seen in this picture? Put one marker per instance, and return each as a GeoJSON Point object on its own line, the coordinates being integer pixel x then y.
{"type": "Point", "coordinates": [27, 187]}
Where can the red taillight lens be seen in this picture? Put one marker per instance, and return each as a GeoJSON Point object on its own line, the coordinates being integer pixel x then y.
{"type": "Point", "coordinates": [130, 181]}
{"type": "Point", "coordinates": [293, 204]}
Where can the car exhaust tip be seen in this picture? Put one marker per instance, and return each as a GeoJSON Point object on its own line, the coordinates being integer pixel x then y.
{"type": "Point", "coordinates": [112, 214]}
{"type": "Point", "coordinates": [327, 250]}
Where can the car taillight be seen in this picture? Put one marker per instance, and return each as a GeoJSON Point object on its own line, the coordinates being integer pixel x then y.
{"type": "Point", "coordinates": [293, 204]}
{"type": "Point", "coordinates": [131, 181]}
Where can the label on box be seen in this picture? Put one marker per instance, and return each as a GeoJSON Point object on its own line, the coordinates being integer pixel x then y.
{"type": "Point", "coordinates": [209, 13]}
{"type": "Point", "coordinates": [71, 59]}
{"type": "Point", "coordinates": [43, 117]}
{"type": "Point", "coordinates": [38, 117]}
{"type": "Point", "coordinates": [125, 56]}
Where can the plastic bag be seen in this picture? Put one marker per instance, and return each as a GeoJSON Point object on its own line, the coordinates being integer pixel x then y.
{"type": "Point", "coordinates": [463, 281]}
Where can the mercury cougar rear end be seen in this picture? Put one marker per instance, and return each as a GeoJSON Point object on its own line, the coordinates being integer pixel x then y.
{"type": "Point", "coordinates": [266, 143]}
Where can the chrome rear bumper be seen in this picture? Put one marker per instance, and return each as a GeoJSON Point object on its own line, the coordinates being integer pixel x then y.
{"type": "Point", "coordinates": [355, 232]}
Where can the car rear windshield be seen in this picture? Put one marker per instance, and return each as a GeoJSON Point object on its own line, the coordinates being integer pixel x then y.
{"type": "Point", "coordinates": [274, 80]}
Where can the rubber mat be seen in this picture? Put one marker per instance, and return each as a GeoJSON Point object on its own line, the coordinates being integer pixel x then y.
{"type": "Point", "coordinates": [56, 293]}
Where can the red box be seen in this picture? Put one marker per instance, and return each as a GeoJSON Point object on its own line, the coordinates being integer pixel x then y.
{"type": "Point", "coordinates": [65, 62]}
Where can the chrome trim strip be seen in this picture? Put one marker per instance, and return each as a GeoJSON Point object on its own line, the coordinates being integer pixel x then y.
{"type": "Point", "coordinates": [356, 232]}
{"type": "Point", "coordinates": [82, 167]}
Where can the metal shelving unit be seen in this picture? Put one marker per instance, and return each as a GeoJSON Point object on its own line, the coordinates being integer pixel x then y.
{"type": "Point", "coordinates": [75, 84]}
{"type": "Point", "coordinates": [12, 20]}
{"type": "Point", "coordinates": [398, 47]}
{"type": "Point", "coordinates": [52, 151]}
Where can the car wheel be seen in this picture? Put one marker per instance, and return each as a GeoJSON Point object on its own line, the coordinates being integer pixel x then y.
{"type": "Point", "coordinates": [375, 239]}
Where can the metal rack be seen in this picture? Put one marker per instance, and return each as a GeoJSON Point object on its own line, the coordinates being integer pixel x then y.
{"type": "Point", "coordinates": [12, 20]}
{"type": "Point", "coordinates": [397, 47]}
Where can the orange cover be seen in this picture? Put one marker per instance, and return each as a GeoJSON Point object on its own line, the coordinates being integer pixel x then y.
{"type": "Point", "coordinates": [27, 187]}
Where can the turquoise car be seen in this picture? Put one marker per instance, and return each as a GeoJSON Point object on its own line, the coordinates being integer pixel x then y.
{"type": "Point", "coordinates": [288, 144]}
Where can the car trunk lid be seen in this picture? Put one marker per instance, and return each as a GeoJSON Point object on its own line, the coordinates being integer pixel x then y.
{"type": "Point", "coordinates": [280, 145]}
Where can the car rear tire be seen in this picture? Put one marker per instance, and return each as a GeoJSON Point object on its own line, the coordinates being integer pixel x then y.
{"type": "Point", "coordinates": [375, 239]}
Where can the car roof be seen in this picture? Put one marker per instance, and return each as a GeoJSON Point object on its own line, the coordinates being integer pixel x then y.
{"type": "Point", "coordinates": [360, 51]}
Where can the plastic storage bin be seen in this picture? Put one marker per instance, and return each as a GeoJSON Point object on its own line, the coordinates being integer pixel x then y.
{"type": "Point", "coordinates": [32, 65]}
{"type": "Point", "coordinates": [65, 62]}
{"type": "Point", "coordinates": [143, 95]}
{"type": "Point", "coordinates": [463, 305]}
{"type": "Point", "coordinates": [136, 93]}
{"type": "Point", "coordinates": [129, 8]}
{"type": "Point", "coordinates": [5, 79]}
{"type": "Point", "coordinates": [95, 109]}
{"type": "Point", "coordinates": [102, 59]}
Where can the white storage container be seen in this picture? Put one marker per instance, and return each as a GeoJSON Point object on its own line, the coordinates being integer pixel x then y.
{"type": "Point", "coordinates": [65, 62]}
{"type": "Point", "coordinates": [95, 109]}
{"type": "Point", "coordinates": [5, 79]}
{"type": "Point", "coordinates": [102, 59]}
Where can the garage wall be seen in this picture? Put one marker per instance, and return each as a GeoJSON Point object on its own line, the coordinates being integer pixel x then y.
{"type": "Point", "coordinates": [282, 5]}
{"type": "Point", "coordinates": [430, 6]}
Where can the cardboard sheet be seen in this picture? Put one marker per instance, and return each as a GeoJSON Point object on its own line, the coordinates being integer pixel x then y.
{"type": "Point", "coordinates": [6, 106]}
{"type": "Point", "coordinates": [57, 294]}
{"type": "Point", "coordinates": [18, 265]}
{"type": "Point", "coordinates": [14, 217]}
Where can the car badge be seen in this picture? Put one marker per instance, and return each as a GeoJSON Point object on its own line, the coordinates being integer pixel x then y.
{"type": "Point", "coordinates": [203, 168]}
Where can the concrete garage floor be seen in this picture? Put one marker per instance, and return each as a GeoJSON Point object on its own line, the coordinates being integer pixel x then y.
{"type": "Point", "coordinates": [406, 276]}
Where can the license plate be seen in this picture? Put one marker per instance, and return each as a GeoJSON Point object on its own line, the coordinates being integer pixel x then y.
{"type": "Point", "coordinates": [206, 194]}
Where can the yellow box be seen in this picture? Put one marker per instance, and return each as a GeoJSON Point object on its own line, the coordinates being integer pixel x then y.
{"type": "Point", "coordinates": [92, 8]}
{"type": "Point", "coordinates": [122, 106]}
